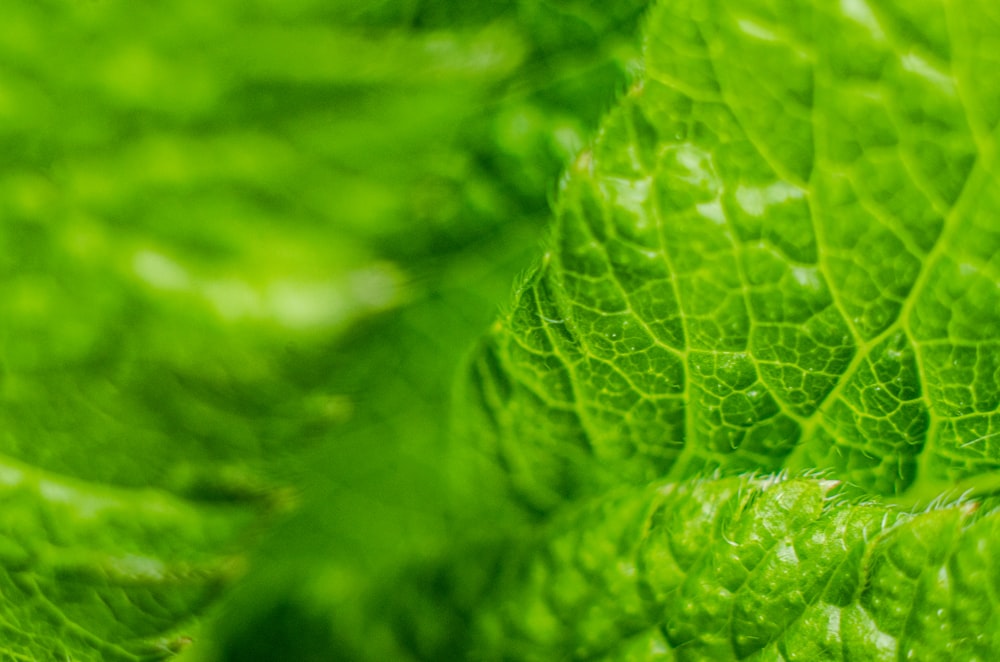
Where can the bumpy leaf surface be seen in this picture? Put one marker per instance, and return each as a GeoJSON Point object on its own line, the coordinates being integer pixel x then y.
{"type": "Point", "coordinates": [780, 255]}
{"type": "Point", "coordinates": [738, 568]}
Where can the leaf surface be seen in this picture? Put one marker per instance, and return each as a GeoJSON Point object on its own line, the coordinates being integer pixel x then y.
{"type": "Point", "coordinates": [743, 568]}
{"type": "Point", "coordinates": [779, 257]}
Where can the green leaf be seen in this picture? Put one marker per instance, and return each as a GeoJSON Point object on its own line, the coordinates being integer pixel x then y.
{"type": "Point", "coordinates": [744, 568]}
{"type": "Point", "coordinates": [244, 246]}
{"type": "Point", "coordinates": [778, 257]}
{"type": "Point", "coordinates": [92, 572]}
{"type": "Point", "coordinates": [778, 254]}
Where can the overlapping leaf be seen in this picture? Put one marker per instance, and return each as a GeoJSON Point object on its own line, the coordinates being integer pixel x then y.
{"type": "Point", "coordinates": [742, 568]}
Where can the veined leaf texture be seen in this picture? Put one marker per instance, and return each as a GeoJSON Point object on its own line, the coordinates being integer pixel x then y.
{"type": "Point", "coordinates": [778, 257]}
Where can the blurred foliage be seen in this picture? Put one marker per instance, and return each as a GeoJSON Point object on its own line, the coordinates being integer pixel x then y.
{"type": "Point", "coordinates": [246, 244]}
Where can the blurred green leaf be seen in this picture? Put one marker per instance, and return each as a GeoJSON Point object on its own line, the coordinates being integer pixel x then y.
{"type": "Point", "coordinates": [209, 212]}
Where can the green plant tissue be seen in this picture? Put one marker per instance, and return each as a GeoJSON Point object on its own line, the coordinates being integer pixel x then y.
{"type": "Point", "coordinates": [266, 392]}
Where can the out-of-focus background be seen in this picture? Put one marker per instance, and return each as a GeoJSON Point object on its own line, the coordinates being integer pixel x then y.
{"type": "Point", "coordinates": [244, 249]}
